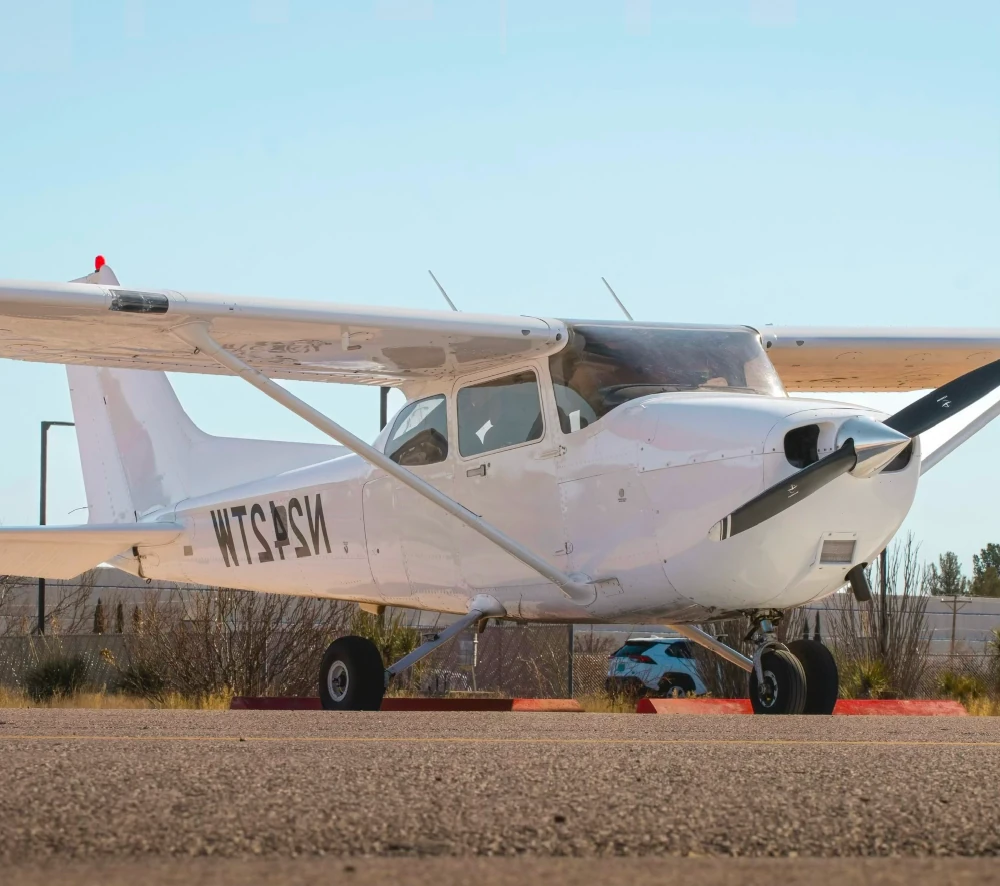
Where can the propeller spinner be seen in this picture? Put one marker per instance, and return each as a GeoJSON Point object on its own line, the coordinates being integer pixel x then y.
{"type": "Point", "coordinates": [864, 447]}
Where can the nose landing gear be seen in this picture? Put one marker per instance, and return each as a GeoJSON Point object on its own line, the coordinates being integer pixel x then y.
{"type": "Point", "coordinates": [797, 678]}
{"type": "Point", "coordinates": [781, 688]}
{"type": "Point", "coordinates": [800, 678]}
{"type": "Point", "coordinates": [777, 681]}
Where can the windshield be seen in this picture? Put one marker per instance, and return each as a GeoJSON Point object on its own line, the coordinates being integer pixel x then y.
{"type": "Point", "coordinates": [602, 367]}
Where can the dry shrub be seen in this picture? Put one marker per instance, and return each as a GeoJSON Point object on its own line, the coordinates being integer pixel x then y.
{"type": "Point", "coordinates": [607, 703]}
{"type": "Point", "coordinates": [390, 633]}
{"type": "Point", "coordinates": [200, 644]}
{"type": "Point", "coordinates": [67, 609]}
{"type": "Point", "coordinates": [722, 678]}
{"type": "Point", "coordinates": [881, 646]}
{"type": "Point", "coordinates": [591, 642]}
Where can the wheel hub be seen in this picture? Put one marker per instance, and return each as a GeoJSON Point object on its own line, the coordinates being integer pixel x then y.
{"type": "Point", "coordinates": [767, 690]}
{"type": "Point", "coordinates": [337, 681]}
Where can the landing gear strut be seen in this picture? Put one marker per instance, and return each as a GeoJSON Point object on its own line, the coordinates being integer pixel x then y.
{"type": "Point", "coordinates": [777, 681]}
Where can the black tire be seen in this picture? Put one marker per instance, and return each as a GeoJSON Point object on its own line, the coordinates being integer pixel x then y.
{"type": "Point", "coordinates": [676, 685]}
{"type": "Point", "coordinates": [822, 678]}
{"type": "Point", "coordinates": [784, 691]}
{"type": "Point", "coordinates": [352, 676]}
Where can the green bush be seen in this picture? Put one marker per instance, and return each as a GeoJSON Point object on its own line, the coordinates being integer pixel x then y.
{"type": "Point", "coordinates": [865, 679]}
{"type": "Point", "coordinates": [961, 687]}
{"type": "Point", "coordinates": [56, 676]}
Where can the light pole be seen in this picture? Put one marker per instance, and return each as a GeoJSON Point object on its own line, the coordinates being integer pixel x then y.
{"type": "Point", "coordinates": [42, 489]}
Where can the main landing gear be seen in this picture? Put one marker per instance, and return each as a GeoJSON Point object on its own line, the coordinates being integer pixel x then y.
{"type": "Point", "coordinates": [352, 676]}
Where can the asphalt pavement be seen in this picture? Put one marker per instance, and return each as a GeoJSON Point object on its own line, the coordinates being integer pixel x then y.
{"type": "Point", "coordinates": [273, 797]}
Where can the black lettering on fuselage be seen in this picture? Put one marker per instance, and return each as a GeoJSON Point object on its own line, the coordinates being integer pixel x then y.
{"type": "Point", "coordinates": [239, 513]}
{"type": "Point", "coordinates": [279, 518]}
{"type": "Point", "coordinates": [224, 535]}
{"type": "Point", "coordinates": [302, 549]}
{"type": "Point", "coordinates": [283, 519]}
{"type": "Point", "coordinates": [318, 526]}
{"type": "Point", "coordinates": [265, 555]}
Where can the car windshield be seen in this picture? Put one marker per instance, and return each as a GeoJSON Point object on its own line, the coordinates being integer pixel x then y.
{"type": "Point", "coordinates": [603, 366]}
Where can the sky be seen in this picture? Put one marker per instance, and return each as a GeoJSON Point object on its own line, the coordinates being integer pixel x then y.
{"type": "Point", "coordinates": [753, 161]}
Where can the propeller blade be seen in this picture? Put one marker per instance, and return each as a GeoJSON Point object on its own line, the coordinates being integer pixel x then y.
{"type": "Point", "coordinates": [783, 495]}
{"type": "Point", "coordinates": [935, 407]}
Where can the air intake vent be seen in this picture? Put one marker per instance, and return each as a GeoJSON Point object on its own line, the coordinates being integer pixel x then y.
{"type": "Point", "coordinates": [837, 551]}
{"type": "Point", "coordinates": [800, 446]}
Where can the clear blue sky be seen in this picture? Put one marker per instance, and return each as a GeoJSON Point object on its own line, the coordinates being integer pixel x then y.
{"type": "Point", "coordinates": [767, 161]}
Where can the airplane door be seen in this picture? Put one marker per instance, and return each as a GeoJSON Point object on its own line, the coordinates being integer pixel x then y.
{"type": "Point", "coordinates": [505, 472]}
{"type": "Point", "coordinates": [410, 540]}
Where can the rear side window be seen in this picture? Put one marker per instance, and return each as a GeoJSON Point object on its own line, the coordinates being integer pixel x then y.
{"type": "Point", "coordinates": [631, 649]}
{"type": "Point", "coordinates": [680, 650]}
{"type": "Point", "coordinates": [419, 435]}
{"type": "Point", "coordinates": [498, 413]}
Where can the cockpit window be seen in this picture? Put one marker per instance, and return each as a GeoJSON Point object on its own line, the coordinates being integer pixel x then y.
{"type": "Point", "coordinates": [420, 433]}
{"type": "Point", "coordinates": [498, 413]}
{"type": "Point", "coordinates": [602, 367]}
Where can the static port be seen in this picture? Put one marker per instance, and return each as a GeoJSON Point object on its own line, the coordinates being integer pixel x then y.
{"type": "Point", "coordinates": [800, 446]}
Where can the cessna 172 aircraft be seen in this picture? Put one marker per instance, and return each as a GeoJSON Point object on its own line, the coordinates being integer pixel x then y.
{"type": "Point", "coordinates": [541, 470]}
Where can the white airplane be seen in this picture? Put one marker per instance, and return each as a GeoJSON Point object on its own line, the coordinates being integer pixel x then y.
{"type": "Point", "coordinates": [541, 470]}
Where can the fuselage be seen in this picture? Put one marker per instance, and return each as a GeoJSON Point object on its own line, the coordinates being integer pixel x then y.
{"type": "Point", "coordinates": [629, 494]}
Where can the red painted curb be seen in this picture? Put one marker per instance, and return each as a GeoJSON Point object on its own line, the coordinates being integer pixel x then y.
{"type": "Point", "coordinates": [522, 705]}
{"type": "Point", "coordinates": [870, 707]}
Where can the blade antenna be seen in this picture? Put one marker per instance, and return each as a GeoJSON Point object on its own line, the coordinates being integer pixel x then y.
{"type": "Point", "coordinates": [617, 299]}
{"type": "Point", "coordinates": [451, 304]}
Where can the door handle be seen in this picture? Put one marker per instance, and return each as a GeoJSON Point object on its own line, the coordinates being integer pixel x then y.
{"type": "Point", "coordinates": [476, 472]}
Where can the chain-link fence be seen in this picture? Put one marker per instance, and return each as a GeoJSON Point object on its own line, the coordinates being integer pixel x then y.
{"type": "Point", "coordinates": [505, 659]}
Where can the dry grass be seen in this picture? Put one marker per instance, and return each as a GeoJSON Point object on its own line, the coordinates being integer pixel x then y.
{"type": "Point", "coordinates": [113, 701]}
{"type": "Point", "coordinates": [602, 703]}
{"type": "Point", "coordinates": [983, 707]}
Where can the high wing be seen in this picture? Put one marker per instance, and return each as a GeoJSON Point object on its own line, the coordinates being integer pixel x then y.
{"type": "Point", "coordinates": [889, 359]}
{"type": "Point", "coordinates": [66, 551]}
{"type": "Point", "coordinates": [110, 325]}
{"type": "Point", "coordinates": [95, 321]}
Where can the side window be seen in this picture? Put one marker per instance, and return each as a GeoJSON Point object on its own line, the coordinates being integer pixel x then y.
{"type": "Point", "coordinates": [419, 435]}
{"type": "Point", "coordinates": [679, 650]}
{"type": "Point", "coordinates": [498, 413]}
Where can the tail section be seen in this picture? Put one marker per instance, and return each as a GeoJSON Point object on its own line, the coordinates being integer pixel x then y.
{"type": "Point", "coordinates": [142, 454]}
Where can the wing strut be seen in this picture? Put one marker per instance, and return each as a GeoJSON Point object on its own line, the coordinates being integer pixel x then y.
{"type": "Point", "coordinates": [579, 589]}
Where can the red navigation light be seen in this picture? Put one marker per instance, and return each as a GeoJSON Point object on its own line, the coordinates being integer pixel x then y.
{"type": "Point", "coordinates": [99, 262]}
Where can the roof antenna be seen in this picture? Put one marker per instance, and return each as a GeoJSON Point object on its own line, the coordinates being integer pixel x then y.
{"type": "Point", "coordinates": [451, 304]}
{"type": "Point", "coordinates": [617, 299]}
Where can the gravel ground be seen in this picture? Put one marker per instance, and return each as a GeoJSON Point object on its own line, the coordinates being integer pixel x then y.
{"type": "Point", "coordinates": [105, 794]}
